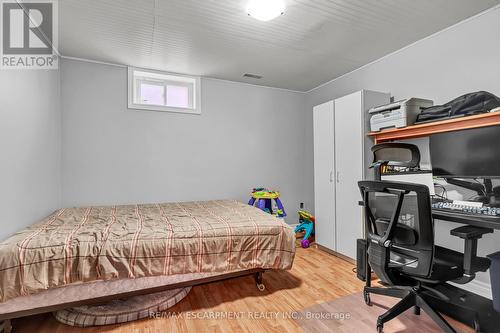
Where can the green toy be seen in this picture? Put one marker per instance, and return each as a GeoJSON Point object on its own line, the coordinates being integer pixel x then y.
{"type": "Point", "coordinates": [306, 223]}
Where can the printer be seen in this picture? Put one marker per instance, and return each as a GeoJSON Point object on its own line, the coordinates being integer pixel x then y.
{"type": "Point", "coordinates": [398, 114]}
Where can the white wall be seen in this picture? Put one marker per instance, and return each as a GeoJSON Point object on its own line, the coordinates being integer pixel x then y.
{"type": "Point", "coordinates": [461, 59]}
{"type": "Point", "coordinates": [246, 136]}
{"type": "Point", "coordinates": [30, 147]}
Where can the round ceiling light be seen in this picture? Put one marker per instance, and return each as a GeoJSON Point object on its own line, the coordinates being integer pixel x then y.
{"type": "Point", "coordinates": [265, 10]}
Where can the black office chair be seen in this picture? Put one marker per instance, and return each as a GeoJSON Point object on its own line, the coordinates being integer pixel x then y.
{"type": "Point", "coordinates": [402, 253]}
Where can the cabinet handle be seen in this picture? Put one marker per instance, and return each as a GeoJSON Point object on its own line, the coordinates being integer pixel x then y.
{"type": "Point", "coordinates": [338, 177]}
{"type": "Point", "coordinates": [331, 176]}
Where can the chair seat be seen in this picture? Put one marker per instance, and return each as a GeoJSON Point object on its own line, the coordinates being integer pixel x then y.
{"type": "Point", "coordinates": [447, 265]}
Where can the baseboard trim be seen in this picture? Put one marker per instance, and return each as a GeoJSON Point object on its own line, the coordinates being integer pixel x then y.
{"type": "Point", "coordinates": [336, 254]}
{"type": "Point", "coordinates": [477, 287]}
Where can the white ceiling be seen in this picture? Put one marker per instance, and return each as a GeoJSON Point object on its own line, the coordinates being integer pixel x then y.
{"type": "Point", "coordinates": [313, 42]}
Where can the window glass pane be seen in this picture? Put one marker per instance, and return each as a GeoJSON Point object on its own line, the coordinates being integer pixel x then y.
{"type": "Point", "coordinates": [178, 96]}
{"type": "Point", "coordinates": [152, 94]}
{"type": "Point", "coordinates": [162, 91]}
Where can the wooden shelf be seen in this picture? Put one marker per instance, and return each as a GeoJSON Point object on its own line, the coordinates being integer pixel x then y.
{"type": "Point", "coordinates": [422, 130]}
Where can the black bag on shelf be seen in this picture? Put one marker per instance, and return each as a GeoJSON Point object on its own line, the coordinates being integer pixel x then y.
{"type": "Point", "coordinates": [465, 105]}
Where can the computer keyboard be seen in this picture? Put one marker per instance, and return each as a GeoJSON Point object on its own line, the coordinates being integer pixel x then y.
{"type": "Point", "coordinates": [466, 209]}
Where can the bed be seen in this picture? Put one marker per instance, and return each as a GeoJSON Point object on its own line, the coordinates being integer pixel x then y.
{"type": "Point", "coordinates": [89, 255]}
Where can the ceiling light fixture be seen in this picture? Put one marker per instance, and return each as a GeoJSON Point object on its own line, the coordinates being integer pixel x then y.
{"type": "Point", "coordinates": [265, 10]}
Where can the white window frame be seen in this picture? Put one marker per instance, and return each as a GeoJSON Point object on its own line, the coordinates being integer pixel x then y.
{"type": "Point", "coordinates": [165, 78]}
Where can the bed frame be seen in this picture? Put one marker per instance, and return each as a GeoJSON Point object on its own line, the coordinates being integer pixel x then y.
{"type": "Point", "coordinates": [5, 318]}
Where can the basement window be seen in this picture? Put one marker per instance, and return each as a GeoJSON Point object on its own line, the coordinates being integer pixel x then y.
{"type": "Point", "coordinates": [162, 91]}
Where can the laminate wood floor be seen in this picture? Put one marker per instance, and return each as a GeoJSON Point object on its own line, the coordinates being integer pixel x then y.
{"type": "Point", "coordinates": [237, 306]}
{"type": "Point", "coordinates": [350, 314]}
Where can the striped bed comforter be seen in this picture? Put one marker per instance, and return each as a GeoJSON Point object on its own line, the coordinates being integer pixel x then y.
{"type": "Point", "coordinates": [102, 243]}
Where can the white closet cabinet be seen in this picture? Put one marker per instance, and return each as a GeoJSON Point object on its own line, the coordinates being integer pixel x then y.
{"type": "Point", "coordinates": [340, 129]}
{"type": "Point", "coordinates": [324, 189]}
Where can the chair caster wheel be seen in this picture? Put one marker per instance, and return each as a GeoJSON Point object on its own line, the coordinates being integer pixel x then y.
{"type": "Point", "coordinates": [261, 286]}
{"type": "Point", "coordinates": [366, 296]}
{"type": "Point", "coordinates": [380, 328]}
{"type": "Point", "coordinates": [477, 328]}
{"type": "Point", "coordinates": [416, 311]}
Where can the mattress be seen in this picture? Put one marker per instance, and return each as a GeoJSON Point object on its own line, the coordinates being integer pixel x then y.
{"type": "Point", "coordinates": [86, 244]}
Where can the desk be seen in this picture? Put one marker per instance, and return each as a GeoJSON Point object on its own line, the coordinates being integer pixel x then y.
{"type": "Point", "coordinates": [476, 220]}
{"type": "Point", "coordinates": [459, 299]}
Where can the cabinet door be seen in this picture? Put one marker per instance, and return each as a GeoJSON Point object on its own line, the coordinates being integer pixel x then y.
{"type": "Point", "coordinates": [324, 187]}
{"type": "Point", "coordinates": [349, 170]}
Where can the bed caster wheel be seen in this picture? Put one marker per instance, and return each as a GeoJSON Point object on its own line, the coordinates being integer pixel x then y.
{"type": "Point", "coordinates": [366, 296]}
{"type": "Point", "coordinates": [380, 328]}
{"type": "Point", "coordinates": [305, 243]}
{"type": "Point", "coordinates": [258, 281]}
{"type": "Point", "coordinates": [6, 326]}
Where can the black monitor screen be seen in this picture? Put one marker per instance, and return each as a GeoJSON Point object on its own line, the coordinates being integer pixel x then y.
{"type": "Point", "coordinates": [472, 153]}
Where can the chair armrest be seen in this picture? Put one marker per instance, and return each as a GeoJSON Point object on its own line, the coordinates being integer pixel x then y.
{"type": "Point", "coordinates": [472, 263]}
{"type": "Point", "coordinates": [470, 232]}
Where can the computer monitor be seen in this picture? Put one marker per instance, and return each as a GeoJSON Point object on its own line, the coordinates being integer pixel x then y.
{"type": "Point", "coordinates": [472, 153]}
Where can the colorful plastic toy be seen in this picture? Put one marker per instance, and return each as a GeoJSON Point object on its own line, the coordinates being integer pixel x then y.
{"type": "Point", "coordinates": [264, 197]}
{"type": "Point", "coordinates": [306, 223]}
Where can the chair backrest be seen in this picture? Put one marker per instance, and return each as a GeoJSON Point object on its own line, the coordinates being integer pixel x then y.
{"type": "Point", "coordinates": [395, 155]}
{"type": "Point", "coordinates": [399, 229]}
